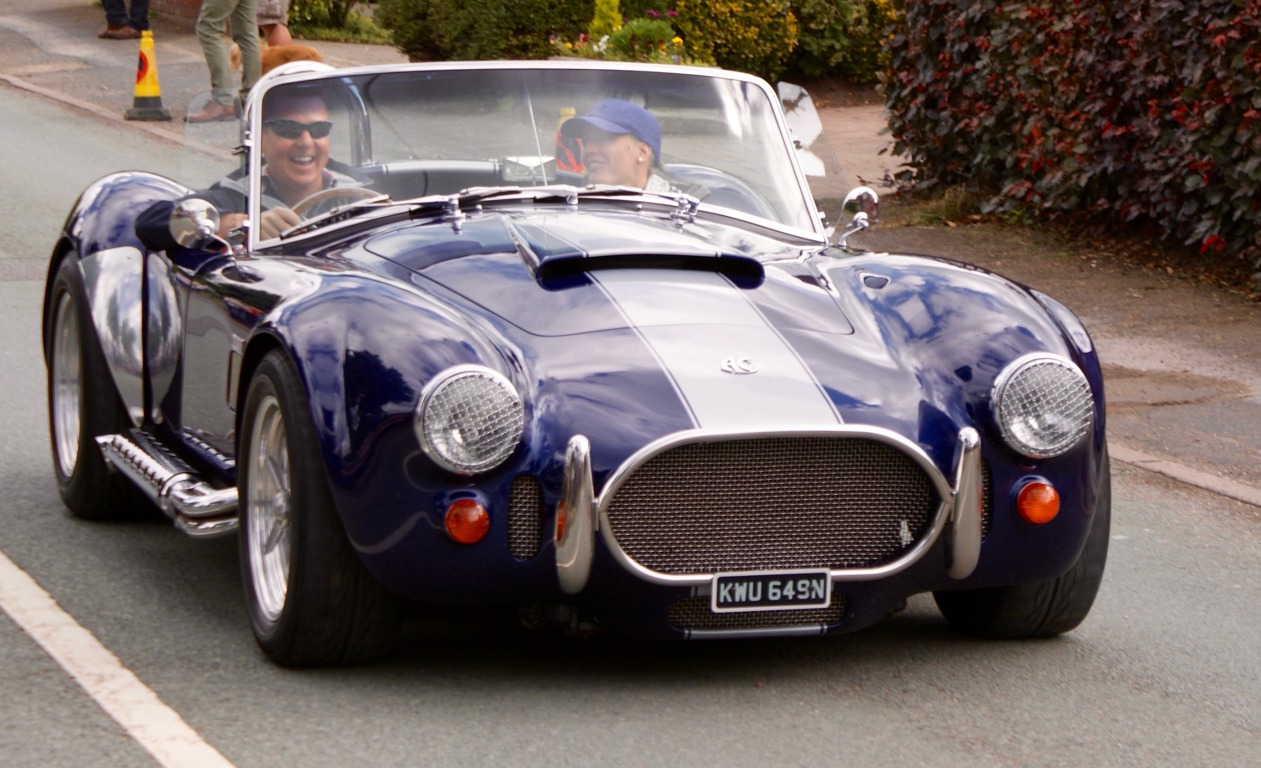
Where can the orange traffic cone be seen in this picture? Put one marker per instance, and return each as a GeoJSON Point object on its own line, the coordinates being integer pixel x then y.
{"type": "Point", "coordinates": [148, 101]}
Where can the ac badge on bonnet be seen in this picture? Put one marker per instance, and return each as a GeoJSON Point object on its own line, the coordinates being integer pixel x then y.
{"type": "Point", "coordinates": [739, 365]}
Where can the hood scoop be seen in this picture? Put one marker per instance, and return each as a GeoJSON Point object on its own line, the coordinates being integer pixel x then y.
{"type": "Point", "coordinates": [550, 251]}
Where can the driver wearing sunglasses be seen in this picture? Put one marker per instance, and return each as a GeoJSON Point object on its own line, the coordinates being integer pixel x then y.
{"type": "Point", "coordinates": [295, 147]}
{"type": "Point", "coordinates": [294, 143]}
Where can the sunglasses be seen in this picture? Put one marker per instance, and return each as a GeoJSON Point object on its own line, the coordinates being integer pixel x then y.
{"type": "Point", "coordinates": [292, 129]}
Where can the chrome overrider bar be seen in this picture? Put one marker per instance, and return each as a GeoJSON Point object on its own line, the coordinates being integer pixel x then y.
{"type": "Point", "coordinates": [580, 512]}
{"type": "Point", "coordinates": [964, 533]}
{"type": "Point", "coordinates": [197, 509]}
{"type": "Point", "coordinates": [576, 518]}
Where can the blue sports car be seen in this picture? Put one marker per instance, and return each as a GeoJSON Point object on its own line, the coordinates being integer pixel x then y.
{"type": "Point", "coordinates": [575, 337]}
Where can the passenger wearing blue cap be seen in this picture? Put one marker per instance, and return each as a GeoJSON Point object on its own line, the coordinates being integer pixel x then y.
{"type": "Point", "coordinates": [621, 145]}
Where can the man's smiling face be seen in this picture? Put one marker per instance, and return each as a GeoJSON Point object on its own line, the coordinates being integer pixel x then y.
{"type": "Point", "coordinates": [296, 165]}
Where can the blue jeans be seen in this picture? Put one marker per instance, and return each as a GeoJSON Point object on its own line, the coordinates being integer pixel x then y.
{"type": "Point", "coordinates": [240, 15]}
{"type": "Point", "coordinates": [117, 15]}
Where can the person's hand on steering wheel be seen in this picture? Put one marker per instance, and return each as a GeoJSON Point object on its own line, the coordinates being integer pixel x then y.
{"type": "Point", "coordinates": [277, 220]}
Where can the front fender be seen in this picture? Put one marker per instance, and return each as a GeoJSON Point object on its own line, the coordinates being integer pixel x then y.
{"type": "Point", "coordinates": [100, 233]}
{"type": "Point", "coordinates": [948, 330]}
{"type": "Point", "coordinates": [940, 333]}
{"type": "Point", "coordinates": [364, 348]}
{"type": "Point", "coordinates": [105, 214]}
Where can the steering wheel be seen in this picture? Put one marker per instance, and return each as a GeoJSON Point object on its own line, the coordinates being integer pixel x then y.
{"type": "Point", "coordinates": [327, 199]}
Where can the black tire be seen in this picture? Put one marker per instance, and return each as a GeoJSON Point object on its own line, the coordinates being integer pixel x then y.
{"type": "Point", "coordinates": [311, 601]}
{"type": "Point", "coordinates": [83, 405]}
{"type": "Point", "coordinates": [1045, 608]}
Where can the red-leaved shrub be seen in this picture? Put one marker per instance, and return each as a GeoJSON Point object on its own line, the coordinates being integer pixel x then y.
{"type": "Point", "coordinates": [1142, 109]}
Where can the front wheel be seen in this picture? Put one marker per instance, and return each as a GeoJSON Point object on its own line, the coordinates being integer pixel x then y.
{"type": "Point", "coordinates": [1044, 608]}
{"type": "Point", "coordinates": [310, 599]}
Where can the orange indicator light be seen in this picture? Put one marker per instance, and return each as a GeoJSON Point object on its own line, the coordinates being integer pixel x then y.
{"type": "Point", "coordinates": [467, 521]}
{"type": "Point", "coordinates": [562, 519]}
{"type": "Point", "coordinates": [1038, 503]}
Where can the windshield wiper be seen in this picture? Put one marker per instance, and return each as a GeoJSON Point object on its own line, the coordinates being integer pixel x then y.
{"type": "Point", "coordinates": [685, 206]}
{"type": "Point", "coordinates": [454, 208]}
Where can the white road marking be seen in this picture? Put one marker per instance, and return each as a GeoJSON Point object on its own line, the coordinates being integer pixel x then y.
{"type": "Point", "coordinates": [154, 725]}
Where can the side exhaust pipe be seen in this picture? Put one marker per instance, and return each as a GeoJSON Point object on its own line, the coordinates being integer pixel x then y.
{"type": "Point", "coordinates": [197, 509]}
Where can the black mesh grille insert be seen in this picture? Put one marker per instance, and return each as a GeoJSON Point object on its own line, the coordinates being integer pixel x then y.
{"type": "Point", "coordinates": [693, 613]}
{"type": "Point", "coordinates": [773, 503]}
{"type": "Point", "coordinates": [525, 518]}
{"type": "Point", "coordinates": [987, 506]}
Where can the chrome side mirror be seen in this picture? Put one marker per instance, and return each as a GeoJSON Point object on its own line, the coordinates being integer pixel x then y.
{"type": "Point", "coordinates": [195, 224]}
{"type": "Point", "coordinates": [862, 204]}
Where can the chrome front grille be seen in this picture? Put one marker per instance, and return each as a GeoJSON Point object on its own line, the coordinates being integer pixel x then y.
{"type": "Point", "coordinates": [693, 613]}
{"type": "Point", "coordinates": [525, 518]}
{"type": "Point", "coordinates": [772, 503]}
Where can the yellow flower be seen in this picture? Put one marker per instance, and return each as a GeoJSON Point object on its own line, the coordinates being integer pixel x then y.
{"type": "Point", "coordinates": [677, 40]}
{"type": "Point", "coordinates": [569, 45]}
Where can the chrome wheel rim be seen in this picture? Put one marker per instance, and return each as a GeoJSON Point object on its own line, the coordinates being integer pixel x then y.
{"type": "Point", "coordinates": [268, 509]}
{"type": "Point", "coordinates": [67, 380]}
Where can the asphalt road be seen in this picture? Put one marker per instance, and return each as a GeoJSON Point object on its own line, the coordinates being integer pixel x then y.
{"type": "Point", "coordinates": [1166, 671]}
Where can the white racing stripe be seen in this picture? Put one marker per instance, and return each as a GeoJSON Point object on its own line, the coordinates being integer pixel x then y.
{"type": "Point", "coordinates": [730, 366]}
{"type": "Point", "coordinates": [154, 725]}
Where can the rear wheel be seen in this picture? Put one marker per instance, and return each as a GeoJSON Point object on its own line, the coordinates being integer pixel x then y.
{"type": "Point", "coordinates": [1044, 608]}
{"type": "Point", "coordinates": [310, 599]}
{"type": "Point", "coordinates": [82, 405]}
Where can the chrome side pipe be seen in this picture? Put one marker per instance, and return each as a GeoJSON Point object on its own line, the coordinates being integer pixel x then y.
{"type": "Point", "coordinates": [197, 509]}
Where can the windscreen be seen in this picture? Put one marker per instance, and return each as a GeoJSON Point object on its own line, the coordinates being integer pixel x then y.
{"type": "Point", "coordinates": [421, 132]}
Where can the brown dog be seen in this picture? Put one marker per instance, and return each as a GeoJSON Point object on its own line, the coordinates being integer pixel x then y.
{"type": "Point", "coordinates": [274, 56]}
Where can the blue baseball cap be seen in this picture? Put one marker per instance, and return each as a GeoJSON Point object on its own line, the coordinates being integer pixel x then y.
{"type": "Point", "coordinates": [618, 117]}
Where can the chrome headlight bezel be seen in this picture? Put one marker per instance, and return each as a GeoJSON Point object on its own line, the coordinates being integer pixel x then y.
{"type": "Point", "coordinates": [1043, 405]}
{"type": "Point", "coordinates": [459, 430]}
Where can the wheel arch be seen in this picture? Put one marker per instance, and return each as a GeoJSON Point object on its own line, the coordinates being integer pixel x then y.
{"type": "Point", "coordinates": [61, 251]}
{"type": "Point", "coordinates": [257, 348]}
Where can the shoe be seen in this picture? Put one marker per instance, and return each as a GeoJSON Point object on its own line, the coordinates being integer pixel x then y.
{"type": "Point", "coordinates": [213, 112]}
{"type": "Point", "coordinates": [120, 32]}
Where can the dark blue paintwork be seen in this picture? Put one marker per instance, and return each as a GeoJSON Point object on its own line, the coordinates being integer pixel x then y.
{"type": "Point", "coordinates": [907, 344]}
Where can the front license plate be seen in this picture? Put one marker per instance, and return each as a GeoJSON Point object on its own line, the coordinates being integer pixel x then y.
{"type": "Point", "coordinates": [770, 591]}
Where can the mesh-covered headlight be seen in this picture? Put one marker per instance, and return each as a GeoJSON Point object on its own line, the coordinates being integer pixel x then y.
{"type": "Point", "coordinates": [469, 419]}
{"type": "Point", "coordinates": [1043, 405]}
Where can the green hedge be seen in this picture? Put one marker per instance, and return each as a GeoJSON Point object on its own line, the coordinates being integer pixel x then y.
{"type": "Point", "coordinates": [810, 38]}
{"type": "Point", "coordinates": [846, 39]}
{"type": "Point", "coordinates": [328, 13]}
{"type": "Point", "coordinates": [1131, 108]}
{"type": "Point", "coordinates": [757, 36]}
{"type": "Point", "coordinates": [440, 30]}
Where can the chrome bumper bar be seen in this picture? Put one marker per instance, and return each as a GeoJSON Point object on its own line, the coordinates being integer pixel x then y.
{"type": "Point", "coordinates": [959, 521]}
